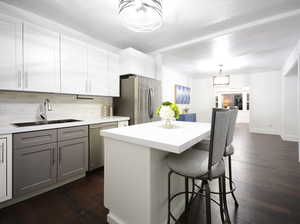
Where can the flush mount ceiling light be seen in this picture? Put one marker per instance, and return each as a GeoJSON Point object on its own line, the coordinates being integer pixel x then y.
{"type": "Point", "coordinates": [221, 80]}
{"type": "Point", "coordinates": [141, 15]}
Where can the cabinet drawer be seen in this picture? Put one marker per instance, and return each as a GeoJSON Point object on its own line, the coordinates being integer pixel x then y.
{"type": "Point", "coordinates": [27, 139]}
{"type": "Point", "coordinates": [72, 133]}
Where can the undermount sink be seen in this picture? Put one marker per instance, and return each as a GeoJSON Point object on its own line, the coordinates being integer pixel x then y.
{"type": "Point", "coordinates": [26, 124]}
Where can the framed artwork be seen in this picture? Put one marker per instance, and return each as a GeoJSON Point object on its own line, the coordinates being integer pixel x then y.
{"type": "Point", "coordinates": [182, 94]}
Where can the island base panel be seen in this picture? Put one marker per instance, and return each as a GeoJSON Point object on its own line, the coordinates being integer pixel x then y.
{"type": "Point", "coordinates": [136, 184]}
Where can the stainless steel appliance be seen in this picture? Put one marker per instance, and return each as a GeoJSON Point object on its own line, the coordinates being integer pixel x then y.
{"type": "Point", "coordinates": [139, 99]}
{"type": "Point", "coordinates": [96, 148]}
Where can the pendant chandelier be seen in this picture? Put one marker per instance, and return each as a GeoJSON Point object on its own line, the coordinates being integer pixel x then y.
{"type": "Point", "coordinates": [141, 15]}
{"type": "Point", "coordinates": [221, 80]}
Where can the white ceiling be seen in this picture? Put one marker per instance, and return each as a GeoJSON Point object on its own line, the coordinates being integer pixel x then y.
{"type": "Point", "coordinates": [257, 49]}
{"type": "Point", "coordinates": [260, 48]}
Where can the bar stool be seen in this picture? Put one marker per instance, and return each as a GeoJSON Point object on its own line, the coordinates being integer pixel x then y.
{"type": "Point", "coordinates": [195, 164]}
{"type": "Point", "coordinates": [229, 151]}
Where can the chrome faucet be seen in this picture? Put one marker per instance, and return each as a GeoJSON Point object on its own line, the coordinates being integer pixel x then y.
{"type": "Point", "coordinates": [46, 106]}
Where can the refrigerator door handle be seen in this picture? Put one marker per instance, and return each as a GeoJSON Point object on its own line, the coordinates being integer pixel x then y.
{"type": "Point", "coordinates": [150, 106]}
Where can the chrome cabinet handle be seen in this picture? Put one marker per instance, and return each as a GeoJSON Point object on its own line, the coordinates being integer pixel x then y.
{"type": "Point", "coordinates": [53, 157]}
{"type": "Point", "coordinates": [150, 106]}
{"type": "Point", "coordinates": [59, 154]}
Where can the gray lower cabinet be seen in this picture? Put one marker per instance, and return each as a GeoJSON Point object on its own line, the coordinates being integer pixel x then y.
{"type": "Point", "coordinates": [96, 147]}
{"type": "Point", "coordinates": [41, 159]}
{"type": "Point", "coordinates": [35, 168]}
{"type": "Point", "coordinates": [72, 156]}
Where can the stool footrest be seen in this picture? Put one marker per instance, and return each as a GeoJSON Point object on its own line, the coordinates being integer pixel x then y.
{"type": "Point", "coordinates": [227, 192]}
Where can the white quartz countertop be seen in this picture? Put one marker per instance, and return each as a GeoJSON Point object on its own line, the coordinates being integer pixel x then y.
{"type": "Point", "coordinates": [10, 129]}
{"type": "Point", "coordinates": [178, 139]}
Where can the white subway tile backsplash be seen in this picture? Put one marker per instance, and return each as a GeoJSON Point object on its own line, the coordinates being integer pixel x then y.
{"type": "Point", "coordinates": [23, 107]}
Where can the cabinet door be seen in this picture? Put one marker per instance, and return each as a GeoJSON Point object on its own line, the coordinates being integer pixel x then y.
{"type": "Point", "coordinates": [132, 62]}
{"type": "Point", "coordinates": [11, 67]}
{"type": "Point", "coordinates": [34, 168]}
{"type": "Point", "coordinates": [41, 59]}
{"type": "Point", "coordinates": [96, 152]}
{"type": "Point", "coordinates": [97, 72]}
{"type": "Point", "coordinates": [5, 169]}
{"type": "Point", "coordinates": [73, 66]}
{"type": "Point", "coordinates": [113, 75]}
{"type": "Point", "coordinates": [72, 157]}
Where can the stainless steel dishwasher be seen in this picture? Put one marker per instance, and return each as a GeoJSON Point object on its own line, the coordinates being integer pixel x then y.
{"type": "Point", "coordinates": [96, 148]}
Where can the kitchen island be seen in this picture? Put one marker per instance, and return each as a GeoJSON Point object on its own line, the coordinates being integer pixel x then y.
{"type": "Point", "coordinates": [135, 184]}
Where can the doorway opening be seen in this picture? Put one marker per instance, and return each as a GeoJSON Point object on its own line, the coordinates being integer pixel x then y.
{"type": "Point", "coordinates": [240, 98]}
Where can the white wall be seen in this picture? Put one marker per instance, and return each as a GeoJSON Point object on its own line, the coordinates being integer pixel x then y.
{"type": "Point", "coordinates": [203, 98]}
{"type": "Point", "coordinates": [169, 79]}
{"type": "Point", "coordinates": [289, 129]}
{"type": "Point", "coordinates": [265, 103]}
{"type": "Point", "coordinates": [22, 107]}
{"type": "Point", "coordinates": [203, 95]}
{"type": "Point", "coordinates": [298, 100]}
{"type": "Point", "coordinates": [265, 98]}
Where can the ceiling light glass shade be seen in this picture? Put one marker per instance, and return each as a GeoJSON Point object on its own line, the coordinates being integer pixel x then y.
{"type": "Point", "coordinates": [141, 15]}
{"type": "Point", "coordinates": [221, 80]}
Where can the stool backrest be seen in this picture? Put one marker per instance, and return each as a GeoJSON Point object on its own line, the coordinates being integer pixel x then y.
{"type": "Point", "coordinates": [218, 136]}
{"type": "Point", "coordinates": [233, 116]}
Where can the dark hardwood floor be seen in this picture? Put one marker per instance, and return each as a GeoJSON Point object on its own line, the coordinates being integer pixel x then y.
{"type": "Point", "coordinates": [265, 169]}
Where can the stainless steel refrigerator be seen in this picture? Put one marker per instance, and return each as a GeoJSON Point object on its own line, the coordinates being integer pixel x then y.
{"type": "Point", "coordinates": [139, 98]}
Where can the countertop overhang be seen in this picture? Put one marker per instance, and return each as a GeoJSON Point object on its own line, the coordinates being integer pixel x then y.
{"type": "Point", "coordinates": [178, 139]}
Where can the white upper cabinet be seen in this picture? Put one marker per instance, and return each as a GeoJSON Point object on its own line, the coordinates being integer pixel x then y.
{"type": "Point", "coordinates": [11, 67]}
{"type": "Point", "coordinates": [97, 72]}
{"type": "Point", "coordinates": [41, 59]}
{"type": "Point", "coordinates": [136, 62]}
{"type": "Point", "coordinates": [33, 58]}
{"type": "Point", "coordinates": [74, 78]}
{"type": "Point", "coordinates": [113, 75]}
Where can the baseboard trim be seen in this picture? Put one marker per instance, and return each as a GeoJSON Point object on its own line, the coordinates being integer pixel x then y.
{"type": "Point", "coordinates": [113, 219]}
{"type": "Point", "coordinates": [30, 195]}
{"type": "Point", "coordinates": [290, 138]}
{"type": "Point", "coordinates": [265, 131]}
{"type": "Point", "coordinates": [177, 211]}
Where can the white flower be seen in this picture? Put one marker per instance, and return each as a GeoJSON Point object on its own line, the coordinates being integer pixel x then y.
{"type": "Point", "coordinates": [166, 112]}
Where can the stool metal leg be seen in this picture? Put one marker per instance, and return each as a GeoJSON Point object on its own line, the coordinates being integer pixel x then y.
{"type": "Point", "coordinates": [169, 196]}
{"type": "Point", "coordinates": [221, 200]}
{"type": "Point", "coordinates": [225, 199]}
{"type": "Point", "coordinates": [230, 182]}
{"type": "Point", "coordinates": [207, 199]}
{"type": "Point", "coordinates": [194, 192]}
{"type": "Point", "coordinates": [186, 193]}
{"type": "Point", "coordinates": [202, 186]}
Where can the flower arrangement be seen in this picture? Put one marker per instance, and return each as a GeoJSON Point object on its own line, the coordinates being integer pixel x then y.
{"type": "Point", "coordinates": [168, 111]}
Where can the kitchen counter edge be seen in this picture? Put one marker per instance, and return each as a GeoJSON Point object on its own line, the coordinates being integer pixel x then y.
{"type": "Point", "coordinates": [11, 129]}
